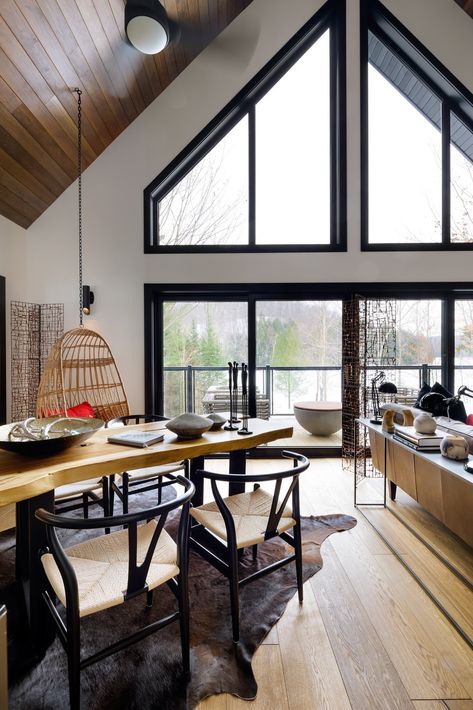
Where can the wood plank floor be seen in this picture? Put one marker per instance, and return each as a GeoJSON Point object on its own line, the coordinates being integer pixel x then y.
{"type": "Point", "coordinates": [367, 636]}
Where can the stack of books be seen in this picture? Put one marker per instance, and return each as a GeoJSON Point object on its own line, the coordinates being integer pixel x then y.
{"type": "Point", "coordinates": [419, 442]}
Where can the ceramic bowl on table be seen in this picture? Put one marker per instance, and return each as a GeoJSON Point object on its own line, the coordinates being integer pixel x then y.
{"type": "Point", "coordinates": [44, 437]}
{"type": "Point", "coordinates": [189, 425]}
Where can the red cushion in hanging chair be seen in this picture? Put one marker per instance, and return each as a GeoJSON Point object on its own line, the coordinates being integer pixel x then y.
{"type": "Point", "coordinates": [81, 410]}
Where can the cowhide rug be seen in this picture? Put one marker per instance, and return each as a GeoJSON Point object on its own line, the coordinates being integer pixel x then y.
{"type": "Point", "coordinates": [148, 674]}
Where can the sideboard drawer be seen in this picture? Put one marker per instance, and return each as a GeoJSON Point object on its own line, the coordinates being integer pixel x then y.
{"type": "Point", "coordinates": [429, 487]}
{"type": "Point", "coordinates": [458, 506]}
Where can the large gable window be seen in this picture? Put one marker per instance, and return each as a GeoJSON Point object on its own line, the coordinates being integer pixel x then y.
{"type": "Point", "coordinates": [268, 173]}
{"type": "Point", "coordinates": [417, 143]}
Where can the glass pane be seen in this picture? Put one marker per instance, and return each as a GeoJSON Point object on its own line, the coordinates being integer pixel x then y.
{"type": "Point", "coordinates": [405, 177]}
{"type": "Point", "coordinates": [199, 339]}
{"type": "Point", "coordinates": [293, 153]}
{"type": "Point", "coordinates": [298, 352]}
{"type": "Point", "coordinates": [464, 349]}
{"type": "Point", "coordinates": [209, 206]}
{"type": "Point", "coordinates": [461, 182]}
{"type": "Point", "coordinates": [417, 342]}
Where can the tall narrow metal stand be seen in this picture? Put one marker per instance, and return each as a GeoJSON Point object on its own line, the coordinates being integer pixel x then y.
{"type": "Point", "coordinates": [244, 400]}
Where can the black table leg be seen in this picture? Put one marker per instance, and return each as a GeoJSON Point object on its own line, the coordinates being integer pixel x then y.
{"type": "Point", "coordinates": [196, 465]}
{"type": "Point", "coordinates": [237, 465]}
{"type": "Point", "coordinates": [30, 539]}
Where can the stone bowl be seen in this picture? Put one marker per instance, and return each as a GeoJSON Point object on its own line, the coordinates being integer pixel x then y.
{"type": "Point", "coordinates": [59, 434]}
{"type": "Point", "coordinates": [218, 420]}
{"type": "Point", "coordinates": [319, 418]}
{"type": "Point", "coordinates": [189, 425]}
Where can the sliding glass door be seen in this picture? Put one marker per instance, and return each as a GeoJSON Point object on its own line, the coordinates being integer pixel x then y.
{"type": "Point", "coordinates": [298, 358]}
{"type": "Point", "coordinates": [199, 338]}
{"type": "Point", "coordinates": [417, 344]}
{"type": "Point", "coordinates": [464, 349]}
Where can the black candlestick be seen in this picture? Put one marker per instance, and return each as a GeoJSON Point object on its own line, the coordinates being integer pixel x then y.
{"type": "Point", "coordinates": [229, 426]}
{"type": "Point", "coordinates": [235, 419]}
{"type": "Point", "coordinates": [244, 400]}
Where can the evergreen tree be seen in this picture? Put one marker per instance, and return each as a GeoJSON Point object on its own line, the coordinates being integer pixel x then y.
{"type": "Point", "coordinates": [286, 353]}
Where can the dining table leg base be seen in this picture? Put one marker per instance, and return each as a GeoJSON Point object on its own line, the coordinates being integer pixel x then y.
{"type": "Point", "coordinates": [30, 540]}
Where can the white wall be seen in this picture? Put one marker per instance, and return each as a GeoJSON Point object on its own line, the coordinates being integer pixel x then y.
{"type": "Point", "coordinates": [12, 267]}
{"type": "Point", "coordinates": [114, 263]}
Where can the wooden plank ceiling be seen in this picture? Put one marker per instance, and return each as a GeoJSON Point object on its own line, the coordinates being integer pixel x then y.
{"type": "Point", "coordinates": [49, 47]}
{"type": "Point", "coordinates": [467, 5]}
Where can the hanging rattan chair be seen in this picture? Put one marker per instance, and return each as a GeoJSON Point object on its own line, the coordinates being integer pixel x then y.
{"type": "Point", "coordinates": [81, 368]}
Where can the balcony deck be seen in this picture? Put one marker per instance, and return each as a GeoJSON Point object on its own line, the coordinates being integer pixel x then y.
{"type": "Point", "coordinates": [302, 438]}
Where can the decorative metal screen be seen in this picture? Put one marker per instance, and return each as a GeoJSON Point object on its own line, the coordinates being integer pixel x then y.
{"type": "Point", "coordinates": [369, 345]}
{"type": "Point", "coordinates": [34, 328]}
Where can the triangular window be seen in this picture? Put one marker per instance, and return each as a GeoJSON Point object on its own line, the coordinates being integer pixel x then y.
{"type": "Point", "coordinates": [417, 143]}
{"type": "Point", "coordinates": [268, 173]}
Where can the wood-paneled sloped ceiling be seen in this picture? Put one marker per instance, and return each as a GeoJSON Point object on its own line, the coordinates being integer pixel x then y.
{"type": "Point", "coordinates": [467, 5]}
{"type": "Point", "coordinates": [49, 47]}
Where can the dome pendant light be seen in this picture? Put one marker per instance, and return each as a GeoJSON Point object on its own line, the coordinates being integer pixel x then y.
{"type": "Point", "coordinates": [147, 26]}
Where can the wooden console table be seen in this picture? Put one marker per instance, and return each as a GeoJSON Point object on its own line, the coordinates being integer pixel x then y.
{"type": "Point", "coordinates": [440, 485]}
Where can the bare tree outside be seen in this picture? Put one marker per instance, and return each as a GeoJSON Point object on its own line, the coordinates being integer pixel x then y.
{"type": "Point", "coordinates": [461, 197]}
{"type": "Point", "coordinates": [210, 204]}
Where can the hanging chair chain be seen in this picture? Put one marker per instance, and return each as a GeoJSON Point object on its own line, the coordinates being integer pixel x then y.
{"type": "Point", "coordinates": [79, 190]}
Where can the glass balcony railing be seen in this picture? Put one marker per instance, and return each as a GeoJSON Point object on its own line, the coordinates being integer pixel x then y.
{"type": "Point", "coordinates": [191, 388]}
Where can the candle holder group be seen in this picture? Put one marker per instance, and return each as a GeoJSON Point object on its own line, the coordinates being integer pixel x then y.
{"type": "Point", "coordinates": [233, 392]}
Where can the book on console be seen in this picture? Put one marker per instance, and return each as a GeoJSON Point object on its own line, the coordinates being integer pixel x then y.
{"type": "Point", "coordinates": [421, 440]}
{"type": "Point", "coordinates": [431, 449]}
{"type": "Point", "coordinates": [141, 439]}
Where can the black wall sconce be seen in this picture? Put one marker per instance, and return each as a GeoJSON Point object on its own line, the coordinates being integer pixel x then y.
{"type": "Point", "coordinates": [87, 300]}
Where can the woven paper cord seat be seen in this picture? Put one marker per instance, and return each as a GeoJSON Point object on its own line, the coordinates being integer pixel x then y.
{"type": "Point", "coordinates": [74, 489]}
{"type": "Point", "coordinates": [250, 512]}
{"type": "Point", "coordinates": [101, 567]}
{"type": "Point", "coordinates": [141, 474]}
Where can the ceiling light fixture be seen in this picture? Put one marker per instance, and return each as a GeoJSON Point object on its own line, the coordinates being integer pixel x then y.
{"type": "Point", "coordinates": [147, 25]}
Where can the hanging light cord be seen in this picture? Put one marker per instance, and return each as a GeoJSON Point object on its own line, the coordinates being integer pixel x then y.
{"type": "Point", "coordinates": [79, 190]}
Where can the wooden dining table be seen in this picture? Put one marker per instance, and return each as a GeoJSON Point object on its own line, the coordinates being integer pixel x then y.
{"type": "Point", "coordinates": [30, 482]}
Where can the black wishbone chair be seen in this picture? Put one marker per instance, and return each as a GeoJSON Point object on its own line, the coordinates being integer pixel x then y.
{"type": "Point", "coordinates": [126, 563]}
{"type": "Point", "coordinates": [81, 495]}
{"type": "Point", "coordinates": [248, 519]}
{"type": "Point", "coordinates": [142, 479]}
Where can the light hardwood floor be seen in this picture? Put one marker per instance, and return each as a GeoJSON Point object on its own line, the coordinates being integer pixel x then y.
{"type": "Point", "coordinates": [367, 636]}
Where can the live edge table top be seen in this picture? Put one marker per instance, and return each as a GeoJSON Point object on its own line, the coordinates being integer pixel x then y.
{"type": "Point", "coordinates": [23, 477]}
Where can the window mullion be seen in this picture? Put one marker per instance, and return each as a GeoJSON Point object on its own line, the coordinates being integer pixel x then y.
{"type": "Point", "coordinates": [445, 173]}
{"type": "Point", "coordinates": [252, 176]}
{"type": "Point", "coordinates": [448, 342]}
{"type": "Point", "coordinates": [252, 354]}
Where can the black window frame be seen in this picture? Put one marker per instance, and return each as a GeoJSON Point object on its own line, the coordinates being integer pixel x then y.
{"type": "Point", "coordinates": [156, 294]}
{"type": "Point", "coordinates": [332, 16]}
{"type": "Point", "coordinates": [454, 97]}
